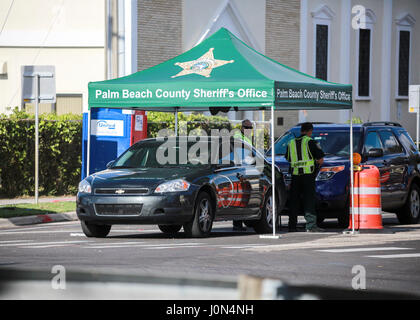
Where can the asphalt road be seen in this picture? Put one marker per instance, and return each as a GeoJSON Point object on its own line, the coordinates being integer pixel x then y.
{"type": "Point", "coordinates": [391, 261]}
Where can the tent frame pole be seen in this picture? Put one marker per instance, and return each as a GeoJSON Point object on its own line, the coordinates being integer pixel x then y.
{"type": "Point", "coordinates": [88, 143]}
{"type": "Point", "coordinates": [273, 180]}
{"type": "Point", "coordinates": [176, 122]}
{"type": "Point", "coordinates": [273, 175]}
{"type": "Point", "coordinates": [351, 171]}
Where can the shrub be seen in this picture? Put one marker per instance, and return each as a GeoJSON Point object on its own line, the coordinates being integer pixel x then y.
{"type": "Point", "coordinates": [164, 120]}
{"type": "Point", "coordinates": [60, 141]}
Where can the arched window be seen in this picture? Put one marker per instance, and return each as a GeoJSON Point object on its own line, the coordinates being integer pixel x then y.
{"type": "Point", "coordinates": [322, 41]}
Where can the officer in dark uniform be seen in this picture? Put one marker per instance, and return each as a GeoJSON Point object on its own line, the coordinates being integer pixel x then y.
{"type": "Point", "coordinates": [305, 157]}
{"type": "Point", "coordinates": [246, 125]}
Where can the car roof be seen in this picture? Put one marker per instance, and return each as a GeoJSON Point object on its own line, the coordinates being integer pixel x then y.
{"type": "Point", "coordinates": [190, 139]}
{"type": "Point", "coordinates": [330, 126]}
{"type": "Point", "coordinates": [356, 127]}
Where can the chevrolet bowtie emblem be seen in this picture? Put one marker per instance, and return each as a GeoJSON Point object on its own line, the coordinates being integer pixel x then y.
{"type": "Point", "coordinates": [119, 191]}
{"type": "Point", "coordinates": [202, 66]}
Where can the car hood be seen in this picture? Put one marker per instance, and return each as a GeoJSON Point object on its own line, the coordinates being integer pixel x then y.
{"type": "Point", "coordinates": [142, 177]}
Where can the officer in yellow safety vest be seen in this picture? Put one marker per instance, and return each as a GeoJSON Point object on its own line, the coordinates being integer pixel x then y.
{"type": "Point", "coordinates": [304, 155]}
{"type": "Point", "coordinates": [244, 136]}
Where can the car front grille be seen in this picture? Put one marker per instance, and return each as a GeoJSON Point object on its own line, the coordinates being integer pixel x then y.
{"type": "Point", "coordinates": [118, 209]}
{"type": "Point", "coordinates": [122, 191]}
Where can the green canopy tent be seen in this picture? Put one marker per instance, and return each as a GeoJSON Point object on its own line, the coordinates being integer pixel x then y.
{"type": "Point", "coordinates": [221, 73]}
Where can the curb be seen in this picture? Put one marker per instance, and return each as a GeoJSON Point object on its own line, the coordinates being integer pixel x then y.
{"type": "Point", "coordinates": [38, 219]}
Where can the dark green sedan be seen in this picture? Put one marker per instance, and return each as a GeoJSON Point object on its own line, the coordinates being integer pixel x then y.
{"type": "Point", "coordinates": [180, 182]}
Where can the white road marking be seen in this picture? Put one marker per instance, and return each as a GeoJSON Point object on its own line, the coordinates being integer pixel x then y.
{"type": "Point", "coordinates": [35, 244]}
{"type": "Point", "coordinates": [115, 244]}
{"type": "Point", "coordinates": [47, 246]}
{"type": "Point", "coordinates": [174, 247]}
{"type": "Point", "coordinates": [363, 249]}
{"type": "Point", "coordinates": [15, 241]}
{"type": "Point", "coordinates": [171, 245]}
{"type": "Point", "coordinates": [67, 231]}
{"type": "Point", "coordinates": [35, 232]}
{"type": "Point", "coordinates": [243, 246]}
{"type": "Point", "coordinates": [77, 235]}
{"type": "Point", "coordinates": [394, 256]}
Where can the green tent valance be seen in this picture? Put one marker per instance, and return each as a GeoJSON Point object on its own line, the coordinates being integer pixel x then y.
{"type": "Point", "coordinates": [220, 72]}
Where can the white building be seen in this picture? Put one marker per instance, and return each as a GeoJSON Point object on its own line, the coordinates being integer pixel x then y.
{"type": "Point", "coordinates": [102, 39]}
{"type": "Point", "coordinates": [68, 34]}
{"type": "Point", "coordinates": [380, 61]}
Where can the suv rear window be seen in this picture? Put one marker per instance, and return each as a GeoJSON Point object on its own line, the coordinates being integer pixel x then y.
{"type": "Point", "coordinates": [390, 143]}
{"type": "Point", "coordinates": [372, 141]}
{"type": "Point", "coordinates": [281, 144]}
{"type": "Point", "coordinates": [407, 141]}
{"type": "Point", "coordinates": [331, 142]}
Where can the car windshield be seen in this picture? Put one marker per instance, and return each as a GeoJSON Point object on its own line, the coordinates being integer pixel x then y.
{"type": "Point", "coordinates": [163, 154]}
{"type": "Point", "coordinates": [331, 142]}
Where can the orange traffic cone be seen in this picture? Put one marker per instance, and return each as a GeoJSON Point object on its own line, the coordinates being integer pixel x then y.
{"type": "Point", "coordinates": [367, 209]}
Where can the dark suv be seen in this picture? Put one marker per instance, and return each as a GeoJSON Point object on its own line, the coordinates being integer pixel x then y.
{"type": "Point", "coordinates": [386, 145]}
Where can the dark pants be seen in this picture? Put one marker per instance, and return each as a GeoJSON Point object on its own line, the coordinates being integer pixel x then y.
{"type": "Point", "coordinates": [302, 192]}
{"type": "Point", "coordinates": [237, 223]}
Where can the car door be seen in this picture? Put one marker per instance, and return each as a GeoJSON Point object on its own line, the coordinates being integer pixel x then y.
{"type": "Point", "coordinates": [225, 180]}
{"type": "Point", "coordinates": [250, 193]}
{"type": "Point", "coordinates": [373, 141]}
{"type": "Point", "coordinates": [412, 156]}
{"type": "Point", "coordinates": [397, 160]}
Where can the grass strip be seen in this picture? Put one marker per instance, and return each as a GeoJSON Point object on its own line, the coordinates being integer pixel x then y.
{"type": "Point", "coordinates": [30, 209]}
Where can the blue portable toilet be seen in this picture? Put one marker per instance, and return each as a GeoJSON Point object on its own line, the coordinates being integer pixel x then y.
{"type": "Point", "coordinates": [112, 132]}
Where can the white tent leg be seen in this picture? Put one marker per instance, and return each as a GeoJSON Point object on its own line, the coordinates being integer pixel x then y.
{"type": "Point", "coordinates": [176, 122]}
{"type": "Point", "coordinates": [273, 179]}
{"type": "Point", "coordinates": [351, 177]}
{"type": "Point", "coordinates": [273, 176]}
{"type": "Point", "coordinates": [88, 144]}
{"type": "Point", "coordinates": [351, 169]}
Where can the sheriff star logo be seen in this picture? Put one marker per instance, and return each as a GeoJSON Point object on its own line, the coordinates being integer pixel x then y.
{"type": "Point", "coordinates": [202, 66]}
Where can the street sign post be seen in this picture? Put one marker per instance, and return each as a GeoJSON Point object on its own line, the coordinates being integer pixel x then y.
{"type": "Point", "coordinates": [38, 85]}
{"type": "Point", "coordinates": [414, 106]}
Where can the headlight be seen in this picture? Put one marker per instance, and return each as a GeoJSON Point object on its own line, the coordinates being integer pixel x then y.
{"type": "Point", "coordinates": [85, 187]}
{"type": "Point", "coordinates": [173, 186]}
{"type": "Point", "coordinates": [327, 173]}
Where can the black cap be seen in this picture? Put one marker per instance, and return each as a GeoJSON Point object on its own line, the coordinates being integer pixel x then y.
{"type": "Point", "coordinates": [246, 124]}
{"type": "Point", "coordinates": [305, 127]}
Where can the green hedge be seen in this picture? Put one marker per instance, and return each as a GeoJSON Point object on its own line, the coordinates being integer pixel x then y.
{"type": "Point", "coordinates": [60, 149]}
{"type": "Point", "coordinates": [164, 120]}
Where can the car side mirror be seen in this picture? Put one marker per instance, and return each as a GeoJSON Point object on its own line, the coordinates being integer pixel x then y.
{"type": "Point", "coordinates": [375, 153]}
{"type": "Point", "coordinates": [109, 164]}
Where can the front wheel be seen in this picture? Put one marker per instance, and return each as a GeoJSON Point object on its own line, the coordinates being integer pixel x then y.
{"type": "Point", "coordinates": [265, 224]}
{"type": "Point", "coordinates": [202, 221]}
{"type": "Point", "coordinates": [409, 214]}
{"type": "Point", "coordinates": [95, 230]}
